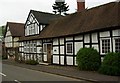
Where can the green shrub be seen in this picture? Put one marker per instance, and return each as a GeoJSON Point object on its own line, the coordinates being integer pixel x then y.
{"type": "Point", "coordinates": [111, 64]}
{"type": "Point", "coordinates": [20, 61]}
{"type": "Point", "coordinates": [4, 57]}
{"type": "Point", "coordinates": [31, 62]}
{"type": "Point", "coordinates": [88, 59]}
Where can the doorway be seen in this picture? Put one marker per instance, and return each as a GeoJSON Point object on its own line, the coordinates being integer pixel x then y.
{"type": "Point", "coordinates": [49, 53]}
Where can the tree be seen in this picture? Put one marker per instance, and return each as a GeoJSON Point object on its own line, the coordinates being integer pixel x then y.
{"type": "Point", "coordinates": [2, 31]}
{"type": "Point", "coordinates": [60, 7]}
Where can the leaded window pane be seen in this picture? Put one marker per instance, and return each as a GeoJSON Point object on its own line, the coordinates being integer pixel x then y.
{"type": "Point", "coordinates": [105, 45]}
{"type": "Point", "coordinates": [117, 45]}
{"type": "Point", "coordinates": [69, 47]}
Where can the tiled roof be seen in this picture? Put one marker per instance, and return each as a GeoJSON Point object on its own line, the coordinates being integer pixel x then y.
{"type": "Point", "coordinates": [97, 18]}
{"type": "Point", "coordinates": [43, 17]}
{"type": "Point", "coordinates": [103, 17]}
{"type": "Point", "coordinates": [16, 29]}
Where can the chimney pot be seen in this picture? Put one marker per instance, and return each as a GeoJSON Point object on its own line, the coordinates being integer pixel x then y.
{"type": "Point", "coordinates": [59, 0]}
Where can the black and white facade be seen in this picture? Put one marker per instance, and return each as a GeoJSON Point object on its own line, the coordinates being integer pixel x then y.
{"type": "Point", "coordinates": [59, 42]}
{"type": "Point", "coordinates": [11, 37]}
{"type": "Point", "coordinates": [31, 48]}
{"type": "Point", "coordinates": [66, 48]}
{"type": "Point", "coordinates": [63, 51]}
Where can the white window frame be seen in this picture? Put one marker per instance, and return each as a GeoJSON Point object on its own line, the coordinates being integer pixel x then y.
{"type": "Point", "coordinates": [71, 48]}
{"type": "Point", "coordinates": [101, 45]}
{"type": "Point", "coordinates": [45, 48]}
{"type": "Point", "coordinates": [114, 43]}
{"type": "Point", "coordinates": [31, 47]}
{"type": "Point", "coordinates": [34, 46]}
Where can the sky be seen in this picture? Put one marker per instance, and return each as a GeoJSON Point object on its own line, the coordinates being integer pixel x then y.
{"type": "Point", "coordinates": [18, 10]}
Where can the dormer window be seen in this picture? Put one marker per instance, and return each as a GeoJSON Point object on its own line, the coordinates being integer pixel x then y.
{"type": "Point", "coordinates": [36, 21]}
{"type": "Point", "coordinates": [32, 27]}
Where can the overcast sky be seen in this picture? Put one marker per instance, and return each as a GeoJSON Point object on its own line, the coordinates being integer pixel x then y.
{"type": "Point", "coordinates": [18, 10]}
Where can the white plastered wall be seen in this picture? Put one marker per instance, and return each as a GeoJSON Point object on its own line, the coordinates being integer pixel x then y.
{"type": "Point", "coordinates": [16, 43]}
{"type": "Point", "coordinates": [55, 59]}
{"type": "Point", "coordinates": [105, 34]}
{"type": "Point", "coordinates": [8, 38]}
{"type": "Point", "coordinates": [78, 46]}
{"type": "Point", "coordinates": [87, 38]}
{"type": "Point", "coordinates": [69, 60]}
{"type": "Point", "coordinates": [94, 38]}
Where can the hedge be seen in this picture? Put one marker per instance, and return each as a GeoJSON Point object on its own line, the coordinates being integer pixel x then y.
{"type": "Point", "coordinates": [88, 59]}
{"type": "Point", "coordinates": [111, 64]}
{"type": "Point", "coordinates": [31, 62]}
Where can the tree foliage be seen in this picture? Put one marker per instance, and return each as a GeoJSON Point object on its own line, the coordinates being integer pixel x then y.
{"type": "Point", "coordinates": [60, 7]}
{"type": "Point", "coordinates": [2, 31]}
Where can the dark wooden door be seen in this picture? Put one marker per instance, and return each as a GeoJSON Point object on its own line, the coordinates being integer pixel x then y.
{"type": "Point", "coordinates": [49, 48]}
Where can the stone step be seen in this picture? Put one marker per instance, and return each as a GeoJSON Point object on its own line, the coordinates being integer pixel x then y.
{"type": "Point", "coordinates": [42, 63]}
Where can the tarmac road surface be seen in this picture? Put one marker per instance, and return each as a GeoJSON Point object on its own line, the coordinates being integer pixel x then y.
{"type": "Point", "coordinates": [18, 74]}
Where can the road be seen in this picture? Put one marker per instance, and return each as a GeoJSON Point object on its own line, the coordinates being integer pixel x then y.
{"type": "Point", "coordinates": [18, 74]}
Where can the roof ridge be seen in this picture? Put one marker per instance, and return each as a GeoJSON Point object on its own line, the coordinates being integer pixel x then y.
{"type": "Point", "coordinates": [43, 12]}
{"type": "Point", "coordinates": [44, 17]}
{"type": "Point", "coordinates": [15, 22]}
{"type": "Point", "coordinates": [102, 5]}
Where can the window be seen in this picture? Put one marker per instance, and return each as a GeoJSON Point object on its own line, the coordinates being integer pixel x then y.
{"type": "Point", "coordinates": [105, 45]}
{"type": "Point", "coordinates": [31, 47]}
{"type": "Point", "coordinates": [117, 45]}
{"type": "Point", "coordinates": [69, 47]}
{"type": "Point", "coordinates": [32, 26]}
{"type": "Point", "coordinates": [25, 46]}
{"type": "Point", "coordinates": [29, 29]}
{"type": "Point", "coordinates": [37, 28]}
{"type": "Point", "coordinates": [34, 45]}
{"type": "Point", "coordinates": [45, 48]}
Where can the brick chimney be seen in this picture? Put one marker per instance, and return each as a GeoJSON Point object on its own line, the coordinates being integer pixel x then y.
{"type": "Point", "coordinates": [80, 5]}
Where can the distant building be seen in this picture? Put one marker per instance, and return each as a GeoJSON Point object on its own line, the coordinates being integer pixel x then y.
{"type": "Point", "coordinates": [12, 34]}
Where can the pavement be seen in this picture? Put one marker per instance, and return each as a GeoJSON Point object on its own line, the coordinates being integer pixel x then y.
{"type": "Point", "coordinates": [68, 71]}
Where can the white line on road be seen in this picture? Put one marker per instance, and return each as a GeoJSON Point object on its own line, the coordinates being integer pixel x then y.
{"type": "Point", "coordinates": [2, 74]}
{"type": "Point", "coordinates": [17, 81]}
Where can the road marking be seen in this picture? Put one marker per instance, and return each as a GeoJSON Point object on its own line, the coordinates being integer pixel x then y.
{"type": "Point", "coordinates": [17, 81]}
{"type": "Point", "coordinates": [2, 74]}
